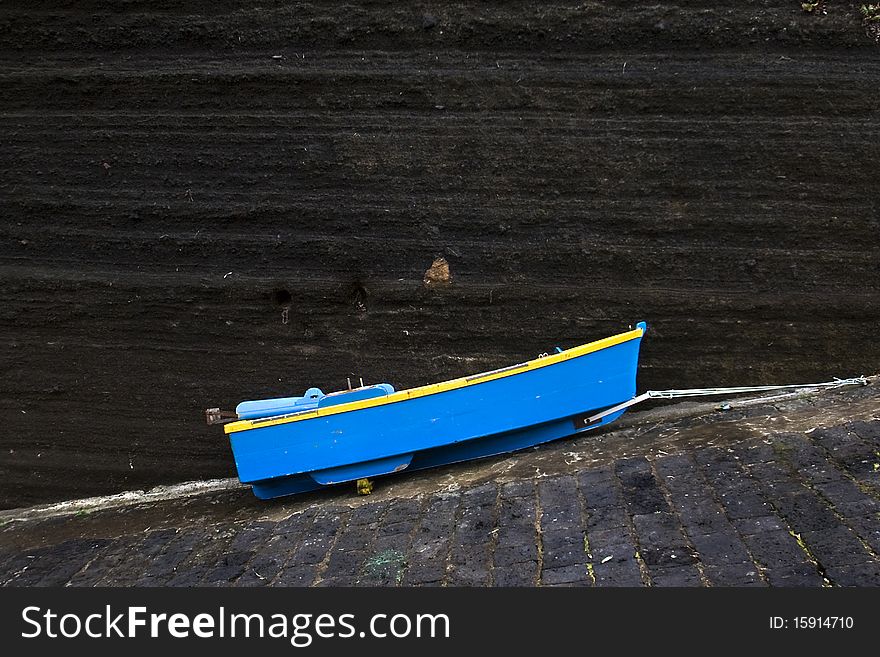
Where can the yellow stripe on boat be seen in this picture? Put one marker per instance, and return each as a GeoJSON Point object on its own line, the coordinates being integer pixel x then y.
{"type": "Point", "coordinates": [435, 388]}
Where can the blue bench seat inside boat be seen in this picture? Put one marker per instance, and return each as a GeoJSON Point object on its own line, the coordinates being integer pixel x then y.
{"type": "Point", "coordinates": [250, 410]}
{"type": "Point", "coordinates": [313, 398]}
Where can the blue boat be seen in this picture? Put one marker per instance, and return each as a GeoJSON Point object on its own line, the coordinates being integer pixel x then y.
{"type": "Point", "coordinates": [296, 444]}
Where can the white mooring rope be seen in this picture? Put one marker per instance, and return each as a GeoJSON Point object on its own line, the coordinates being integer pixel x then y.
{"type": "Point", "coordinates": [707, 392]}
{"type": "Point", "coordinates": [700, 392]}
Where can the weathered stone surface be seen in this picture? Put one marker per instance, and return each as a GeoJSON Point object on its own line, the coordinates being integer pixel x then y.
{"type": "Point", "coordinates": [637, 520]}
{"type": "Point", "coordinates": [180, 230]}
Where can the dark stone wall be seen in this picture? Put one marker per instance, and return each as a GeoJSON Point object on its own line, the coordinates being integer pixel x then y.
{"type": "Point", "coordinates": [199, 208]}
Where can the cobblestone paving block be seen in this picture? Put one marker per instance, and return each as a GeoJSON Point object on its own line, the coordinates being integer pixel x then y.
{"type": "Point", "coordinates": [524, 573]}
{"type": "Point", "coordinates": [505, 555]}
{"type": "Point", "coordinates": [355, 536]}
{"type": "Point", "coordinates": [805, 512]}
{"type": "Point", "coordinates": [419, 574]}
{"type": "Point", "coordinates": [576, 574]}
{"type": "Point", "coordinates": [776, 550]}
{"type": "Point", "coordinates": [399, 542]}
{"type": "Point", "coordinates": [560, 504]}
{"type": "Point", "coordinates": [165, 565]}
{"type": "Point", "coordinates": [97, 570]}
{"type": "Point", "coordinates": [841, 491]}
{"type": "Point", "coordinates": [824, 473]}
{"type": "Point", "coordinates": [603, 503]}
{"type": "Point", "coordinates": [385, 564]}
{"type": "Point", "coordinates": [6, 556]}
{"type": "Point", "coordinates": [468, 574]}
{"type": "Point", "coordinates": [721, 548]}
{"type": "Point", "coordinates": [676, 576]}
{"type": "Point", "coordinates": [264, 568]}
{"type": "Point", "coordinates": [864, 518]}
{"type": "Point", "coordinates": [683, 478]}
{"type": "Point", "coordinates": [654, 527]}
{"type": "Point", "coordinates": [396, 528]}
{"type": "Point", "coordinates": [368, 514]}
{"type": "Point", "coordinates": [404, 510]}
{"type": "Point", "coordinates": [606, 517]}
{"type": "Point", "coordinates": [864, 574]}
{"type": "Point", "coordinates": [851, 454]}
{"type": "Point", "coordinates": [624, 572]}
{"type": "Point", "coordinates": [677, 469]}
{"type": "Point", "coordinates": [613, 554]}
{"type": "Point", "coordinates": [626, 468]}
{"type": "Point", "coordinates": [794, 575]}
{"type": "Point", "coordinates": [868, 431]}
{"type": "Point", "coordinates": [329, 520]}
{"type": "Point", "coordinates": [56, 565]}
{"type": "Point", "coordinates": [603, 542]}
{"type": "Point", "coordinates": [475, 524]}
{"type": "Point", "coordinates": [563, 548]}
{"type": "Point", "coordinates": [343, 568]}
{"type": "Point", "coordinates": [570, 585]}
{"type": "Point", "coordinates": [837, 545]}
{"type": "Point", "coordinates": [204, 558]}
{"type": "Point", "coordinates": [868, 508]}
{"type": "Point", "coordinates": [296, 523]}
{"type": "Point", "coordinates": [431, 541]}
{"type": "Point", "coordinates": [810, 462]}
{"type": "Point", "coordinates": [319, 537]}
{"type": "Point", "coordinates": [470, 553]}
{"type": "Point", "coordinates": [296, 574]}
{"type": "Point", "coordinates": [640, 490]}
{"type": "Point", "coordinates": [515, 535]}
{"type": "Point", "coordinates": [599, 492]}
{"type": "Point", "coordinates": [229, 568]}
{"type": "Point", "coordinates": [667, 556]}
{"type": "Point", "coordinates": [719, 466]}
{"type": "Point", "coordinates": [753, 453]}
{"type": "Point", "coordinates": [19, 565]}
{"type": "Point", "coordinates": [594, 475]}
{"type": "Point", "coordinates": [484, 495]}
{"type": "Point", "coordinates": [734, 574]}
{"type": "Point", "coordinates": [517, 489]}
{"type": "Point", "coordinates": [775, 482]}
{"type": "Point", "coordinates": [752, 526]}
{"type": "Point", "coordinates": [743, 501]}
{"type": "Point", "coordinates": [839, 441]}
{"type": "Point", "coordinates": [282, 543]}
{"type": "Point", "coordinates": [602, 495]}
{"type": "Point", "coordinates": [661, 542]}
{"type": "Point", "coordinates": [243, 547]}
{"type": "Point", "coordinates": [518, 514]}
{"type": "Point", "coordinates": [701, 516]}
{"type": "Point", "coordinates": [133, 562]}
{"type": "Point", "coordinates": [388, 558]}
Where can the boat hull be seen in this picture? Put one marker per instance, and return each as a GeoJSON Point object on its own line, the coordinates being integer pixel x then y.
{"type": "Point", "coordinates": [481, 418]}
{"type": "Point", "coordinates": [432, 458]}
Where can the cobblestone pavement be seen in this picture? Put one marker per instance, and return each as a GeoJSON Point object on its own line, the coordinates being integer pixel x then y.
{"type": "Point", "coordinates": [792, 501]}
